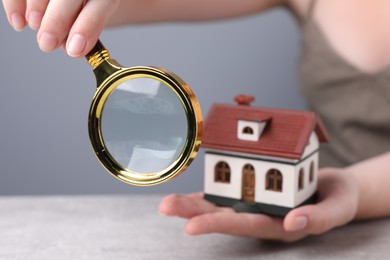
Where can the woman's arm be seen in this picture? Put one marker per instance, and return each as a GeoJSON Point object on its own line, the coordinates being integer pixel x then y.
{"type": "Point", "coordinates": [373, 178]}
{"type": "Point", "coordinates": [146, 11]}
{"type": "Point", "coordinates": [77, 24]}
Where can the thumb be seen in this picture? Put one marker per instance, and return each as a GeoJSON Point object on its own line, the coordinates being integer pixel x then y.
{"type": "Point", "coordinates": [331, 212]}
{"type": "Point", "coordinates": [314, 219]}
{"type": "Point", "coordinates": [337, 206]}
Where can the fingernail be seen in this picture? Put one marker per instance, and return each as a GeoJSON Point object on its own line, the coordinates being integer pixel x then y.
{"type": "Point", "coordinates": [48, 41]}
{"type": "Point", "coordinates": [76, 45]}
{"type": "Point", "coordinates": [17, 22]}
{"type": "Point", "coordinates": [164, 214]}
{"type": "Point", "coordinates": [34, 20]}
{"type": "Point", "coordinates": [299, 223]}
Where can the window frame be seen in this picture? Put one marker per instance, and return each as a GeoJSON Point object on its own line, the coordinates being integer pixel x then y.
{"type": "Point", "coordinates": [301, 179]}
{"type": "Point", "coordinates": [274, 180]}
{"type": "Point", "coordinates": [222, 172]}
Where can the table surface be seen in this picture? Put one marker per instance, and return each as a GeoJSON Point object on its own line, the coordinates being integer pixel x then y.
{"type": "Point", "coordinates": [129, 227]}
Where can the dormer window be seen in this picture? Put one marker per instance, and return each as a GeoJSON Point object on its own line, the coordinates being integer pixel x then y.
{"type": "Point", "coordinates": [250, 130]}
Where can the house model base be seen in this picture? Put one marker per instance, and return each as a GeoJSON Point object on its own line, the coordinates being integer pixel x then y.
{"type": "Point", "coordinates": [260, 208]}
{"type": "Point", "coordinates": [261, 160]}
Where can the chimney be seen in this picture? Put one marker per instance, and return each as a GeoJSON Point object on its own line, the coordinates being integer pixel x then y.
{"type": "Point", "coordinates": [244, 100]}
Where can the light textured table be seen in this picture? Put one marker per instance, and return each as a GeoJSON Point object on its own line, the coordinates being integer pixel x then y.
{"type": "Point", "coordinates": [129, 227]}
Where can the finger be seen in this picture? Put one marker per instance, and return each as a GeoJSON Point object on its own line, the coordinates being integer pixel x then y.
{"type": "Point", "coordinates": [56, 23]}
{"type": "Point", "coordinates": [15, 10]}
{"type": "Point", "coordinates": [88, 26]}
{"type": "Point", "coordinates": [241, 224]}
{"type": "Point", "coordinates": [34, 12]}
{"type": "Point", "coordinates": [186, 206]}
{"type": "Point", "coordinates": [335, 208]}
{"type": "Point", "coordinates": [199, 195]}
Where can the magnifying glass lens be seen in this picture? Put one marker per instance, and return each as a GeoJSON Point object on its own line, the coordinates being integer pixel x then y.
{"type": "Point", "coordinates": [144, 125]}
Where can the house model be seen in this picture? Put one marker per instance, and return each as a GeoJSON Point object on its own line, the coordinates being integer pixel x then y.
{"type": "Point", "coordinates": [261, 160]}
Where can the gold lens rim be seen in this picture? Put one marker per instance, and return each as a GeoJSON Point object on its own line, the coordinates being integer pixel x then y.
{"type": "Point", "coordinates": [194, 121]}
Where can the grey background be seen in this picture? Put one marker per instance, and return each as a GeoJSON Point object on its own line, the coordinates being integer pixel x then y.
{"type": "Point", "coordinates": [45, 97]}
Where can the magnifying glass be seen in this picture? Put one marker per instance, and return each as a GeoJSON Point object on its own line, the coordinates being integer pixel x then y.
{"type": "Point", "coordinates": [145, 123]}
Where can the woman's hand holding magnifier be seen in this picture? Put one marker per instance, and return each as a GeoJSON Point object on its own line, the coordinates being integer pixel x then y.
{"type": "Point", "coordinates": [145, 123]}
{"type": "Point", "coordinates": [73, 24]}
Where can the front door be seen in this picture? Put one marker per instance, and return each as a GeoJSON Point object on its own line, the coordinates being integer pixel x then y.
{"type": "Point", "coordinates": [248, 183]}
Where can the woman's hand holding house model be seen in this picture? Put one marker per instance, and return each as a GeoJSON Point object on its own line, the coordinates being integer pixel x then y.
{"type": "Point", "coordinates": [354, 193]}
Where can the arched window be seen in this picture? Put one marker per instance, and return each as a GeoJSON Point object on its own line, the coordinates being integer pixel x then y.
{"type": "Point", "coordinates": [311, 173]}
{"type": "Point", "coordinates": [301, 179]}
{"type": "Point", "coordinates": [274, 180]}
{"type": "Point", "coordinates": [247, 130]}
{"type": "Point", "coordinates": [222, 172]}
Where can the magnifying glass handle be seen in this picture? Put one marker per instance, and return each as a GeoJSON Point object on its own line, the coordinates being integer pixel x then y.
{"type": "Point", "coordinates": [97, 55]}
{"type": "Point", "coordinates": [103, 66]}
{"type": "Point", "coordinates": [97, 48]}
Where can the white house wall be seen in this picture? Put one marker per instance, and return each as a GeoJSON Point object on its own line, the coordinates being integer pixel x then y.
{"type": "Point", "coordinates": [308, 187]}
{"type": "Point", "coordinates": [312, 146]}
{"type": "Point", "coordinates": [233, 190]}
{"type": "Point", "coordinates": [309, 155]}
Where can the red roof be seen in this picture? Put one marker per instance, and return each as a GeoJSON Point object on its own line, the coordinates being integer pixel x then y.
{"type": "Point", "coordinates": [286, 134]}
